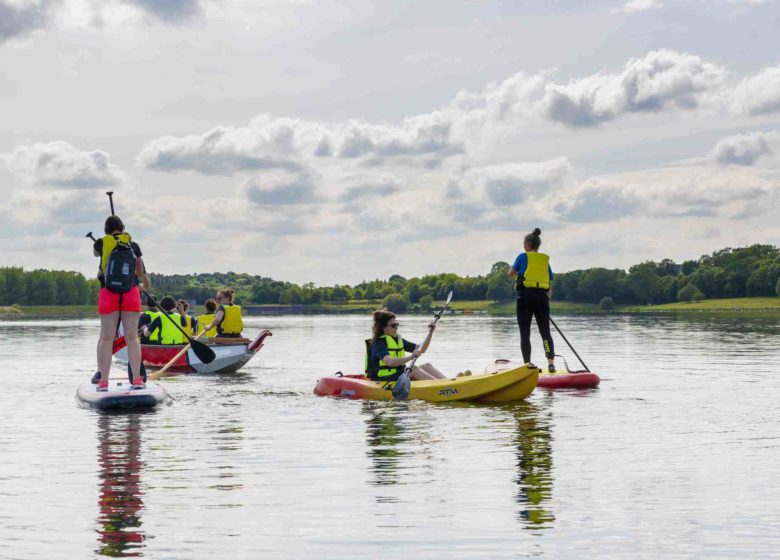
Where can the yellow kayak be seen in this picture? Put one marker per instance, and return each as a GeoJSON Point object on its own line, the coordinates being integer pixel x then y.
{"type": "Point", "coordinates": [501, 386]}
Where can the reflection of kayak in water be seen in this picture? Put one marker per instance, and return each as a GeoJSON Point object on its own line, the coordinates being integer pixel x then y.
{"type": "Point", "coordinates": [560, 380]}
{"type": "Point", "coordinates": [231, 355]}
{"type": "Point", "coordinates": [120, 395]}
{"type": "Point", "coordinates": [508, 385]}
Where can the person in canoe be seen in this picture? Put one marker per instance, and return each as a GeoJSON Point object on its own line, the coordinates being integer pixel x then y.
{"type": "Point", "coordinates": [121, 272]}
{"type": "Point", "coordinates": [386, 351]}
{"type": "Point", "coordinates": [227, 318]}
{"type": "Point", "coordinates": [162, 329]}
{"type": "Point", "coordinates": [205, 320]}
{"type": "Point", "coordinates": [534, 289]}
{"type": "Point", "coordinates": [146, 319]}
{"type": "Point", "coordinates": [188, 322]}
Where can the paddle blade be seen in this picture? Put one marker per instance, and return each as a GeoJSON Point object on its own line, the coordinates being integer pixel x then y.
{"type": "Point", "coordinates": [119, 343]}
{"type": "Point", "coordinates": [203, 352]}
{"type": "Point", "coordinates": [402, 387]}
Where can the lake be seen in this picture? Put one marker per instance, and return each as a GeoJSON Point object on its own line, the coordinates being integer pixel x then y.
{"type": "Point", "coordinates": [675, 455]}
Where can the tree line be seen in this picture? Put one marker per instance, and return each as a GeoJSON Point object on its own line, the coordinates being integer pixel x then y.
{"type": "Point", "coordinates": [728, 273]}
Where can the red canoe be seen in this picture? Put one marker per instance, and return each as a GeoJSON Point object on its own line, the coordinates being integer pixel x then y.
{"type": "Point", "coordinates": [231, 355]}
{"type": "Point", "coordinates": [561, 380]}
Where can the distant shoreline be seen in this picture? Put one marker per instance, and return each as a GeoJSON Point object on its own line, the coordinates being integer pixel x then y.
{"type": "Point", "coordinates": [763, 306]}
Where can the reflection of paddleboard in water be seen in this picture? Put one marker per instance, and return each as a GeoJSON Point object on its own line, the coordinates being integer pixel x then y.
{"type": "Point", "coordinates": [120, 395]}
{"type": "Point", "coordinates": [120, 501]}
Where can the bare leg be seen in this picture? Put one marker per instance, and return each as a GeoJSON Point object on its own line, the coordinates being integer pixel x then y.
{"type": "Point", "coordinates": [108, 324]}
{"type": "Point", "coordinates": [130, 325]}
{"type": "Point", "coordinates": [427, 371]}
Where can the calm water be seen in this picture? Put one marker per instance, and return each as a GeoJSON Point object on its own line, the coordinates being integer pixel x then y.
{"type": "Point", "coordinates": [676, 455]}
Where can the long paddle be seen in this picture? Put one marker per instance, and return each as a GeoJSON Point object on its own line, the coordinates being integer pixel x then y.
{"type": "Point", "coordinates": [570, 346]}
{"type": "Point", "coordinates": [404, 384]}
{"type": "Point", "coordinates": [203, 352]}
{"type": "Point", "coordinates": [154, 376]}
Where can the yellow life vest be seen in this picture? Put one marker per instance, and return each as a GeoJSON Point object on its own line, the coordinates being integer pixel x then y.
{"type": "Point", "coordinates": [395, 349]}
{"type": "Point", "coordinates": [186, 323]}
{"type": "Point", "coordinates": [204, 321]}
{"type": "Point", "coordinates": [154, 336]}
{"type": "Point", "coordinates": [169, 334]}
{"type": "Point", "coordinates": [537, 274]}
{"type": "Point", "coordinates": [231, 322]}
{"type": "Point", "coordinates": [109, 242]}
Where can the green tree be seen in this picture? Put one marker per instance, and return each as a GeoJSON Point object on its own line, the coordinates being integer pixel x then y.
{"type": "Point", "coordinates": [643, 282]}
{"type": "Point", "coordinates": [597, 283]}
{"type": "Point", "coordinates": [15, 286]}
{"type": "Point", "coordinates": [689, 293]}
{"type": "Point", "coordinates": [606, 304]}
{"type": "Point", "coordinates": [395, 302]}
{"type": "Point", "coordinates": [291, 296]}
{"type": "Point", "coordinates": [777, 288]}
{"type": "Point", "coordinates": [426, 302]}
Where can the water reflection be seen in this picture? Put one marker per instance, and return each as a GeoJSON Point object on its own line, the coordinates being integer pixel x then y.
{"type": "Point", "coordinates": [120, 502]}
{"type": "Point", "coordinates": [533, 444]}
{"type": "Point", "coordinates": [383, 435]}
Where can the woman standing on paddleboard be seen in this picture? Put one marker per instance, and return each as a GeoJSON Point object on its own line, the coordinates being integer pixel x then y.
{"type": "Point", "coordinates": [121, 266]}
{"type": "Point", "coordinates": [534, 289]}
{"type": "Point", "coordinates": [386, 351]}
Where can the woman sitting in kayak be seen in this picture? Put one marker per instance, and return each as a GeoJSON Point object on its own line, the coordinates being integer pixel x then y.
{"type": "Point", "coordinates": [534, 289]}
{"type": "Point", "coordinates": [227, 319]}
{"type": "Point", "coordinates": [386, 351]}
{"type": "Point", "coordinates": [165, 329]}
{"type": "Point", "coordinates": [119, 299]}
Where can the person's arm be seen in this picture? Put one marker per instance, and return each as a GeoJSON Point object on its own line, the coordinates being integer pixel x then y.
{"type": "Point", "coordinates": [427, 342]}
{"type": "Point", "coordinates": [219, 316]}
{"type": "Point", "coordinates": [549, 290]}
{"type": "Point", "coordinates": [153, 326]}
{"type": "Point", "coordinates": [396, 362]}
{"type": "Point", "coordinates": [514, 270]}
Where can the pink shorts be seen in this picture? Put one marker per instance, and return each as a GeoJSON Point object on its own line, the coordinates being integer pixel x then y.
{"type": "Point", "coordinates": [108, 301]}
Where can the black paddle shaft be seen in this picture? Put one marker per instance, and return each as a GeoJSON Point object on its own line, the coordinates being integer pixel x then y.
{"type": "Point", "coordinates": [111, 201]}
{"type": "Point", "coordinates": [570, 346]}
{"type": "Point", "coordinates": [203, 352]}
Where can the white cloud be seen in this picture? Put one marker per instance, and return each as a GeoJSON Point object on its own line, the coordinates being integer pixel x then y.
{"type": "Point", "coordinates": [660, 80]}
{"type": "Point", "coordinates": [637, 6]}
{"type": "Point", "coordinates": [759, 94]}
{"type": "Point", "coordinates": [61, 165]}
{"type": "Point", "coordinates": [18, 18]}
{"type": "Point", "coordinates": [280, 188]}
{"type": "Point", "coordinates": [747, 149]}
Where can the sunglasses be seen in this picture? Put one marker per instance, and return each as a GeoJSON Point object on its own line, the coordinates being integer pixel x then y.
{"type": "Point", "coordinates": [393, 325]}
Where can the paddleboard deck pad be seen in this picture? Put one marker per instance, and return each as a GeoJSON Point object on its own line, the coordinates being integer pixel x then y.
{"type": "Point", "coordinates": [560, 380]}
{"type": "Point", "coordinates": [120, 395]}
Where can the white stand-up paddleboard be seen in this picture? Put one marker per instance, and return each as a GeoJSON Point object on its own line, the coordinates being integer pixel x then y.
{"type": "Point", "coordinates": [120, 395]}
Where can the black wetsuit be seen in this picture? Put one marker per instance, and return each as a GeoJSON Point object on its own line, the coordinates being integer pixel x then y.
{"type": "Point", "coordinates": [533, 302]}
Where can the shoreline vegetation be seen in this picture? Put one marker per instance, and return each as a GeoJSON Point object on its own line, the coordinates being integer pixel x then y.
{"type": "Point", "coordinates": [764, 306]}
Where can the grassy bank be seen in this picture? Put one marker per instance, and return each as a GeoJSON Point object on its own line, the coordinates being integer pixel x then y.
{"type": "Point", "coordinates": [760, 306]}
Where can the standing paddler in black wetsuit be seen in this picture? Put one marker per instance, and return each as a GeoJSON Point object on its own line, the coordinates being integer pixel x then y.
{"type": "Point", "coordinates": [534, 289]}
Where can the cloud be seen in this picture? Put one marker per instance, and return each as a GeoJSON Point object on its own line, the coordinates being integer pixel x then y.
{"type": "Point", "coordinates": [169, 11]}
{"type": "Point", "coordinates": [20, 17]}
{"type": "Point", "coordinates": [759, 94]}
{"type": "Point", "coordinates": [269, 142]}
{"type": "Point", "coordinates": [510, 184]}
{"type": "Point", "coordinates": [669, 193]}
{"type": "Point", "coordinates": [660, 80]}
{"type": "Point", "coordinates": [61, 165]}
{"type": "Point", "coordinates": [280, 189]}
{"type": "Point", "coordinates": [746, 149]}
{"type": "Point", "coordinates": [637, 6]}
{"type": "Point", "coordinates": [369, 191]}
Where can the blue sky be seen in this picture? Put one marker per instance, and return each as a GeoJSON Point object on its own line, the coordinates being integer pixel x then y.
{"type": "Point", "coordinates": [337, 142]}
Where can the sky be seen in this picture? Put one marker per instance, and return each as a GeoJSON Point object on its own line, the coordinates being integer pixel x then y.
{"type": "Point", "coordinates": [336, 142]}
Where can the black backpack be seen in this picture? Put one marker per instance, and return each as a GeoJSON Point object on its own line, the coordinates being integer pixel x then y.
{"type": "Point", "coordinates": [120, 269]}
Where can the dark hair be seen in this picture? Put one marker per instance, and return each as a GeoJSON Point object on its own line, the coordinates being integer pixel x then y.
{"type": "Point", "coordinates": [149, 300]}
{"type": "Point", "coordinates": [113, 223]}
{"type": "Point", "coordinates": [184, 303]}
{"type": "Point", "coordinates": [168, 303]}
{"type": "Point", "coordinates": [533, 239]}
{"type": "Point", "coordinates": [211, 305]}
{"type": "Point", "coordinates": [227, 293]}
{"type": "Point", "coordinates": [381, 318]}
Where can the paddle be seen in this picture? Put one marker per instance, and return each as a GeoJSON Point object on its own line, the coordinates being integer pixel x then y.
{"type": "Point", "coordinates": [203, 352]}
{"type": "Point", "coordinates": [570, 346]}
{"type": "Point", "coordinates": [404, 384]}
{"type": "Point", "coordinates": [154, 376]}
